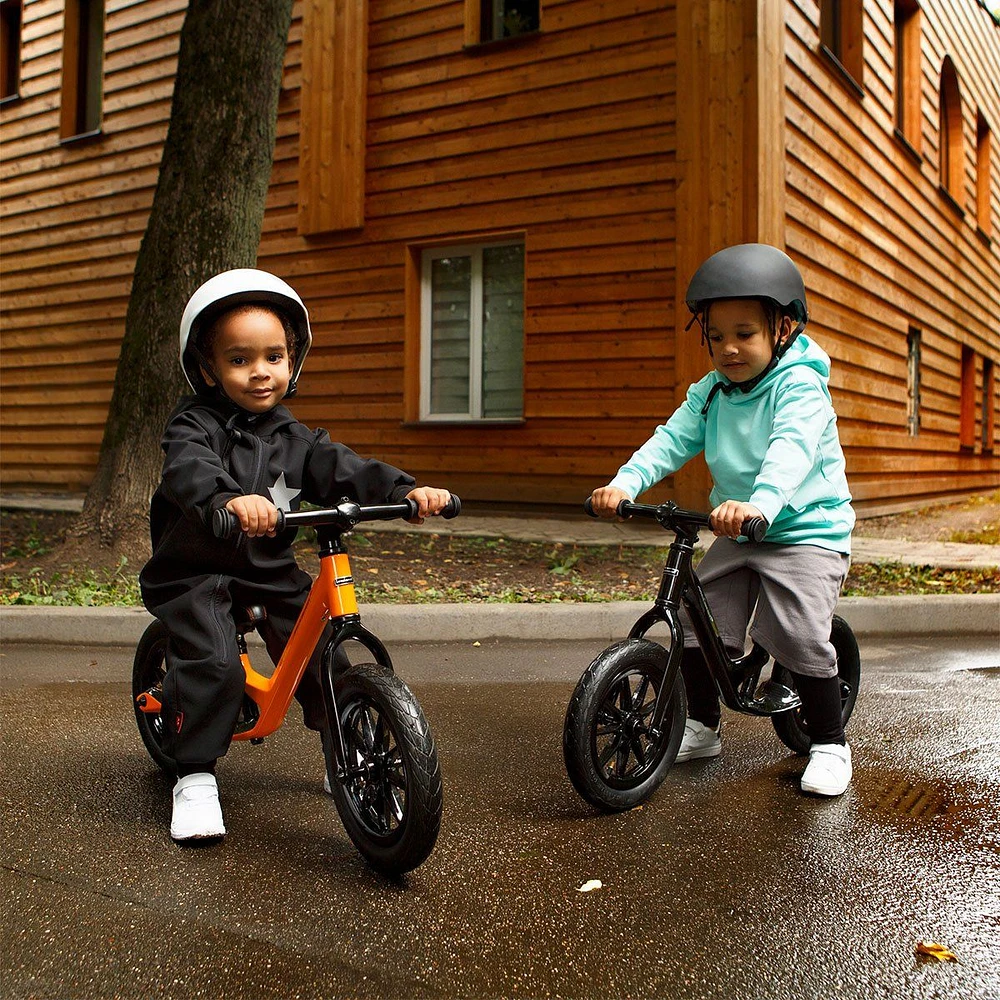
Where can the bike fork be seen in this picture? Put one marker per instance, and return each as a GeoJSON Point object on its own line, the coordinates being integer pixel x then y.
{"type": "Point", "coordinates": [347, 629]}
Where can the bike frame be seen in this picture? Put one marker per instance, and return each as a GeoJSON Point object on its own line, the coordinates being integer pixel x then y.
{"type": "Point", "coordinates": [331, 599]}
{"type": "Point", "coordinates": [735, 679]}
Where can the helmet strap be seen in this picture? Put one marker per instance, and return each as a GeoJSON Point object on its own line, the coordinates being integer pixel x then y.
{"type": "Point", "coordinates": [776, 355]}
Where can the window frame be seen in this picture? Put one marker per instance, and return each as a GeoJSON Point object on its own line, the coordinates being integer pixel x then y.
{"type": "Point", "coordinates": [913, 380]}
{"type": "Point", "coordinates": [967, 399]}
{"type": "Point", "coordinates": [987, 398]}
{"type": "Point", "coordinates": [908, 75]}
{"type": "Point", "coordinates": [475, 17]}
{"type": "Point", "coordinates": [951, 142]}
{"type": "Point", "coordinates": [842, 40]}
{"type": "Point", "coordinates": [81, 107]}
{"type": "Point", "coordinates": [428, 255]}
{"type": "Point", "coordinates": [11, 34]}
{"type": "Point", "coordinates": [984, 163]}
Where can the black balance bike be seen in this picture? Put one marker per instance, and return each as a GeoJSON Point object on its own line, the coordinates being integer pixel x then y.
{"type": "Point", "coordinates": [625, 721]}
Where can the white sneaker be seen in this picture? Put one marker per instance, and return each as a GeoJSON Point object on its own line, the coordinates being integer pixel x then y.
{"type": "Point", "coordinates": [197, 812]}
{"type": "Point", "coordinates": [829, 769]}
{"type": "Point", "coordinates": [699, 741]}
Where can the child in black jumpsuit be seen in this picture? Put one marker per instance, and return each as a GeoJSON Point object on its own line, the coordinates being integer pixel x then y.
{"type": "Point", "coordinates": [244, 337]}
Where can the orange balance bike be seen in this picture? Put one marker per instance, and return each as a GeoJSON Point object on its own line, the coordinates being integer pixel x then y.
{"type": "Point", "coordinates": [385, 778]}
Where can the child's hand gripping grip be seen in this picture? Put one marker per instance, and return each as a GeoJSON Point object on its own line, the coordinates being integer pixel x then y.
{"type": "Point", "coordinates": [225, 523]}
{"type": "Point", "coordinates": [451, 509]}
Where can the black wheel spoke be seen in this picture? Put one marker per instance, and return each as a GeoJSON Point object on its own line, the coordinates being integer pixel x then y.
{"type": "Point", "coordinates": [640, 694]}
{"type": "Point", "coordinates": [609, 751]}
{"type": "Point", "coordinates": [621, 759]}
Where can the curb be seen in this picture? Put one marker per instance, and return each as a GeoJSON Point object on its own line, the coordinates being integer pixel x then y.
{"type": "Point", "coordinates": [946, 614]}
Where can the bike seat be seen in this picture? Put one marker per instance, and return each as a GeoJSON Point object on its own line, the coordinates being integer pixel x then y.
{"type": "Point", "coordinates": [247, 618]}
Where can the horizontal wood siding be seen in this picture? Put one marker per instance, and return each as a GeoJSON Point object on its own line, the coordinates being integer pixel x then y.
{"type": "Point", "coordinates": [71, 219]}
{"type": "Point", "coordinates": [566, 138]}
{"type": "Point", "coordinates": [883, 250]}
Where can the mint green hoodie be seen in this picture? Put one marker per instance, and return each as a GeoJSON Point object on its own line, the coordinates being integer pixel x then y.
{"type": "Point", "coordinates": [775, 447]}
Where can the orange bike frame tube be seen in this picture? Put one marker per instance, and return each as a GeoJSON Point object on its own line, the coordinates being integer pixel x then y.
{"type": "Point", "coordinates": [332, 597]}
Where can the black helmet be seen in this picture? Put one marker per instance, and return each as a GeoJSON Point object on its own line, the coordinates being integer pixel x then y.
{"type": "Point", "coordinates": [750, 271]}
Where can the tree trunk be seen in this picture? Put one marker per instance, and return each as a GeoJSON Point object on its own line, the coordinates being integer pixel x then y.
{"type": "Point", "coordinates": [206, 217]}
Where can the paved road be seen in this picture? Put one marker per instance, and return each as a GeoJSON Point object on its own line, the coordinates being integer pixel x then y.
{"type": "Point", "coordinates": [727, 884]}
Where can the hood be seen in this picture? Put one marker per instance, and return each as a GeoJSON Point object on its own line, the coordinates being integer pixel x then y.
{"type": "Point", "coordinates": [801, 352]}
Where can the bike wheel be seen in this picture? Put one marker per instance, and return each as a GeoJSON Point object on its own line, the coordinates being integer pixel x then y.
{"type": "Point", "coordinates": [390, 797]}
{"type": "Point", "coordinates": [791, 726]}
{"type": "Point", "coordinates": [148, 670]}
{"type": "Point", "coordinates": [612, 758]}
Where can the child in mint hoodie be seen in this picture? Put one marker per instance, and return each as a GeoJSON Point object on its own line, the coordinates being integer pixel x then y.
{"type": "Point", "coordinates": [765, 421]}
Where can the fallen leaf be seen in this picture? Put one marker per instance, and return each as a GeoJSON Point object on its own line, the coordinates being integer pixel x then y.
{"type": "Point", "coordinates": [590, 885]}
{"type": "Point", "coordinates": [477, 643]}
{"type": "Point", "coordinates": [933, 950]}
{"type": "Point", "coordinates": [373, 569]}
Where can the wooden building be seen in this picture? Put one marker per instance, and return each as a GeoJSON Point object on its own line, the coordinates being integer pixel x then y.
{"type": "Point", "coordinates": [492, 209]}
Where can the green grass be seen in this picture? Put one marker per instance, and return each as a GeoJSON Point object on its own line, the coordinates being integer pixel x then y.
{"type": "Point", "coordinates": [119, 587]}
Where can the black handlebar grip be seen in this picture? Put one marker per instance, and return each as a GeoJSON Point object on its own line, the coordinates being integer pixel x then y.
{"type": "Point", "coordinates": [588, 506]}
{"type": "Point", "coordinates": [754, 528]}
{"type": "Point", "coordinates": [225, 523]}
{"type": "Point", "coordinates": [452, 508]}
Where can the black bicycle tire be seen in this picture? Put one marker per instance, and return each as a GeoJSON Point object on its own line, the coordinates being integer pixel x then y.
{"type": "Point", "coordinates": [411, 843]}
{"type": "Point", "coordinates": [791, 726]}
{"type": "Point", "coordinates": [580, 734]}
{"type": "Point", "coordinates": [147, 670]}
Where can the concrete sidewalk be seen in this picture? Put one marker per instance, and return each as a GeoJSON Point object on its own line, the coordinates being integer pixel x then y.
{"type": "Point", "coordinates": [955, 614]}
{"type": "Point", "coordinates": [947, 614]}
{"type": "Point", "coordinates": [575, 528]}
{"type": "Point", "coordinates": [582, 530]}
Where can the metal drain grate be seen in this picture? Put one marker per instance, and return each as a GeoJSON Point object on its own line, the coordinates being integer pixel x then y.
{"type": "Point", "coordinates": [907, 798]}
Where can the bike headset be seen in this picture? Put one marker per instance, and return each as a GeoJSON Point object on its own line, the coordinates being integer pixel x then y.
{"type": "Point", "coordinates": [241, 286]}
{"type": "Point", "coordinates": [748, 271]}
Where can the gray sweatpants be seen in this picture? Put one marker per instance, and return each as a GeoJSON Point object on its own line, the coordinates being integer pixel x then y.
{"type": "Point", "coordinates": [794, 589]}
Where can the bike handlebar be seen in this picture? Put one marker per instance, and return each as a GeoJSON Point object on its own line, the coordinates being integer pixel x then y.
{"type": "Point", "coordinates": [669, 515]}
{"type": "Point", "coordinates": [345, 515]}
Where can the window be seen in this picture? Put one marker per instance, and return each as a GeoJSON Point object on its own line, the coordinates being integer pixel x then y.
{"type": "Point", "coordinates": [842, 35]}
{"type": "Point", "coordinates": [988, 408]}
{"type": "Point", "coordinates": [913, 381]}
{"type": "Point", "coordinates": [472, 332]}
{"type": "Point", "coordinates": [908, 78]}
{"type": "Point", "coordinates": [983, 175]}
{"type": "Point", "coordinates": [967, 400]}
{"type": "Point", "coordinates": [10, 48]}
{"type": "Point", "coordinates": [950, 136]}
{"type": "Point", "coordinates": [492, 20]}
{"type": "Point", "coordinates": [82, 68]}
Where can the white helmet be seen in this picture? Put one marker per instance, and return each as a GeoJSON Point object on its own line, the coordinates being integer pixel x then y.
{"type": "Point", "coordinates": [244, 285]}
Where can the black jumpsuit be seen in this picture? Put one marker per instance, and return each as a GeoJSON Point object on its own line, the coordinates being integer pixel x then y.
{"type": "Point", "coordinates": [215, 451]}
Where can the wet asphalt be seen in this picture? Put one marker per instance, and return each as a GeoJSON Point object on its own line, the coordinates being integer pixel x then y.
{"type": "Point", "coordinates": [728, 883]}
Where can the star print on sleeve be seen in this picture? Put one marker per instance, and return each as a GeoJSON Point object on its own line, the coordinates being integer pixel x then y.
{"type": "Point", "coordinates": [281, 495]}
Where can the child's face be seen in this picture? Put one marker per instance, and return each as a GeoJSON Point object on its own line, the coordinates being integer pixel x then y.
{"type": "Point", "coordinates": [250, 357]}
{"type": "Point", "coordinates": [739, 337]}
